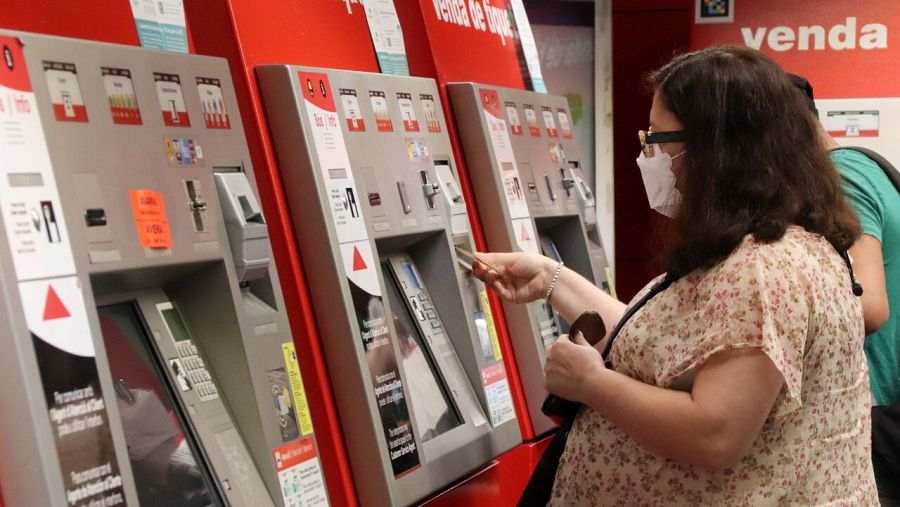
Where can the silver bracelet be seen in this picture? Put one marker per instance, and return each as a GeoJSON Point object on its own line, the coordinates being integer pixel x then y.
{"type": "Point", "coordinates": [553, 281]}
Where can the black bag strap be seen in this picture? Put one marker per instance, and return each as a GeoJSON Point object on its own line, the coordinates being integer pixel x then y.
{"type": "Point", "coordinates": [656, 289]}
{"type": "Point", "coordinates": [540, 485]}
{"type": "Point", "coordinates": [882, 162]}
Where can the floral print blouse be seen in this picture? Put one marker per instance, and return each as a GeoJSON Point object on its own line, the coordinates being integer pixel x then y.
{"type": "Point", "coordinates": [791, 299]}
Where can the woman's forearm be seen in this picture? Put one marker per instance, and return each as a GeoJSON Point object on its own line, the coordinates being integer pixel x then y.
{"type": "Point", "coordinates": [711, 426]}
{"type": "Point", "coordinates": [573, 295]}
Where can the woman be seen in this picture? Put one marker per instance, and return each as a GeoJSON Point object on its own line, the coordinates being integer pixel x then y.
{"type": "Point", "coordinates": [744, 382]}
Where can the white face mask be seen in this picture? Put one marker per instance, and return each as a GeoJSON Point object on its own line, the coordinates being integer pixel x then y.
{"type": "Point", "coordinates": [659, 182]}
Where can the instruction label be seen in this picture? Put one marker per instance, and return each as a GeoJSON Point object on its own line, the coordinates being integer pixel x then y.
{"type": "Point", "coordinates": [512, 115]}
{"type": "Point", "coordinates": [283, 404]}
{"type": "Point", "coordinates": [388, 390]}
{"type": "Point", "coordinates": [29, 199]}
{"type": "Point", "coordinates": [213, 103]}
{"type": "Point", "coordinates": [300, 474]}
{"type": "Point", "coordinates": [380, 108]}
{"type": "Point", "coordinates": [387, 36]}
{"type": "Point", "coordinates": [432, 123]}
{"type": "Point", "coordinates": [407, 113]}
{"type": "Point", "coordinates": [331, 152]}
{"type": "Point", "coordinates": [497, 392]}
{"type": "Point", "coordinates": [123, 105]}
{"type": "Point", "coordinates": [160, 24]}
{"type": "Point", "coordinates": [549, 123]}
{"type": "Point", "coordinates": [503, 154]}
{"type": "Point", "coordinates": [531, 119]}
{"type": "Point", "coordinates": [65, 94]}
{"type": "Point", "coordinates": [171, 100]}
{"type": "Point", "coordinates": [57, 321]}
{"type": "Point", "coordinates": [489, 325]}
{"type": "Point", "coordinates": [352, 113]}
{"type": "Point", "coordinates": [296, 381]}
{"type": "Point", "coordinates": [853, 123]}
{"type": "Point", "coordinates": [564, 124]}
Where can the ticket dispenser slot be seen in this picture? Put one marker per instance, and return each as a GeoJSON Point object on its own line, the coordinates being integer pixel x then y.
{"type": "Point", "coordinates": [451, 188]}
{"type": "Point", "coordinates": [584, 193]}
{"type": "Point", "coordinates": [248, 234]}
{"type": "Point", "coordinates": [452, 197]}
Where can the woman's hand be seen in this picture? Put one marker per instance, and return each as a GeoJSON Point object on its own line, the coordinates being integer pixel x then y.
{"type": "Point", "coordinates": [519, 277]}
{"type": "Point", "coordinates": [569, 365]}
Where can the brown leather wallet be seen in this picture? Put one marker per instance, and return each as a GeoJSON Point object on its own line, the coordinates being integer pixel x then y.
{"type": "Point", "coordinates": [591, 326]}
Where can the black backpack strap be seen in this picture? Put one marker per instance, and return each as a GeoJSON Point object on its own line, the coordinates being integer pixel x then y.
{"type": "Point", "coordinates": [882, 162]}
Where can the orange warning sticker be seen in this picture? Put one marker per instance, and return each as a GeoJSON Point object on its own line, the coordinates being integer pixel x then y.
{"type": "Point", "coordinates": [150, 219]}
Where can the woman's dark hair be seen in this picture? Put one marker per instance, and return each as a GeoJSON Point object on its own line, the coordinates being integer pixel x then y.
{"type": "Point", "coordinates": [755, 163]}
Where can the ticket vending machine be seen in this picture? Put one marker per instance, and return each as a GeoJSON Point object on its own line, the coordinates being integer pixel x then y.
{"type": "Point", "coordinates": [408, 335]}
{"type": "Point", "coordinates": [147, 356]}
{"type": "Point", "coordinates": [532, 196]}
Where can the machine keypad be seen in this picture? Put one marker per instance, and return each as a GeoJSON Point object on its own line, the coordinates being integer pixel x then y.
{"type": "Point", "coordinates": [430, 315]}
{"type": "Point", "coordinates": [196, 371]}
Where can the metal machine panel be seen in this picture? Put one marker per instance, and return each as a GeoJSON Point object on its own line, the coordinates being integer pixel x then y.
{"type": "Point", "coordinates": [532, 196]}
{"type": "Point", "coordinates": [128, 187]}
{"type": "Point", "coordinates": [375, 199]}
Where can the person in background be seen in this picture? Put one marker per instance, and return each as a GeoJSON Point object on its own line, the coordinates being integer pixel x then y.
{"type": "Point", "coordinates": [741, 380]}
{"type": "Point", "coordinates": [876, 261]}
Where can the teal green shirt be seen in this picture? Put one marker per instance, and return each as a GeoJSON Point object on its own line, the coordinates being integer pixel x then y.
{"type": "Point", "coordinates": [877, 204]}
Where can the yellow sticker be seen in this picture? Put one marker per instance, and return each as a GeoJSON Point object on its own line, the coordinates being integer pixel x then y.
{"type": "Point", "coordinates": [489, 320]}
{"type": "Point", "coordinates": [609, 281]}
{"type": "Point", "coordinates": [293, 370]}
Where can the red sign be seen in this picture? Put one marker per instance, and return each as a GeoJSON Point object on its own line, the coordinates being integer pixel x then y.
{"type": "Point", "coordinates": [490, 102]}
{"type": "Point", "coordinates": [294, 453]}
{"type": "Point", "coordinates": [471, 40]}
{"type": "Point", "coordinates": [13, 72]}
{"type": "Point", "coordinates": [316, 89]}
{"type": "Point", "coordinates": [845, 49]}
{"type": "Point", "coordinates": [493, 374]}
